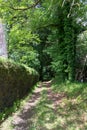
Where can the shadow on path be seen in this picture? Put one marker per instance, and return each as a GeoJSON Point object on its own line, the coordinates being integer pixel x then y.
{"type": "Point", "coordinates": [23, 120]}
{"type": "Point", "coordinates": [42, 98]}
{"type": "Point", "coordinates": [48, 110]}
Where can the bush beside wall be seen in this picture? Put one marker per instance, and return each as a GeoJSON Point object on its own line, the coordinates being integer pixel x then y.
{"type": "Point", "coordinates": [15, 82]}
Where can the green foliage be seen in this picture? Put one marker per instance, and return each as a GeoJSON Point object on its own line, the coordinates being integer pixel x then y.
{"type": "Point", "coordinates": [20, 47]}
{"type": "Point", "coordinates": [54, 24]}
{"type": "Point", "coordinates": [82, 49]}
{"type": "Point", "coordinates": [20, 37]}
{"type": "Point", "coordinates": [63, 40]}
{"type": "Point", "coordinates": [15, 82]}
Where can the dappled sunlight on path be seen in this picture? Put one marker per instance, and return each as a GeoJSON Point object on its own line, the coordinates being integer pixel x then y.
{"type": "Point", "coordinates": [49, 110]}
{"type": "Point", "coordinates": [36, 113]}
{"type": "Point", "coordinates": [23, 120]}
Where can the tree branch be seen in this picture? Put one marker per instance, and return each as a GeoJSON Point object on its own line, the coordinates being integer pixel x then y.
{"type": "Point", "coordinates": [26, 8]}
{"type": "Point", "coordinates": [52, 25]}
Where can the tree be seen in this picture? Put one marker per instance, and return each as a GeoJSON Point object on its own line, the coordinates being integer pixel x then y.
{"type": "Point", "coordinates": [64, 39]}
{"type": "Point", "coordinates": [27, 19]}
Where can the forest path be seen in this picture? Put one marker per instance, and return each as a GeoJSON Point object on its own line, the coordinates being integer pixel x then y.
{"type": "Point", "coordinates": [35, 113]}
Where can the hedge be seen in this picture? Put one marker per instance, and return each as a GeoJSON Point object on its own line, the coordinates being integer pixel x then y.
{"type": "Point", "coordinates": [15, 82]}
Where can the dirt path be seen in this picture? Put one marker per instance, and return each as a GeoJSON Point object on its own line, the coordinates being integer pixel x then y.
{"type": "Point", "coordinates": [27, 119]}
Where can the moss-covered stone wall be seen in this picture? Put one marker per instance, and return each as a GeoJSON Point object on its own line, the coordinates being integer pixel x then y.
{"type": "Point", "coordinates": [15, 82]}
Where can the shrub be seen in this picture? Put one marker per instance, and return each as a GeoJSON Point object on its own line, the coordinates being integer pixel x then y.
{"type": "Point", "coordinates": [15, 82]}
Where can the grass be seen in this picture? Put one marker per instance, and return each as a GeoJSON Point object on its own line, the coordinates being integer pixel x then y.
{"type": "Point", "coordinates": [73, 109]}
{"type": "Point", "coordinates": [69, 114]}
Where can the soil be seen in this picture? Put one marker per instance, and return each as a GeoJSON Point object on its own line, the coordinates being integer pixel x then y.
{"type": "Point", "coordinates": [22, 120]}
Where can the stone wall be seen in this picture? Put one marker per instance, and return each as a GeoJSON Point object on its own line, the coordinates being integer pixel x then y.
{"type": "Point", "coordinates": [15, 82]}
